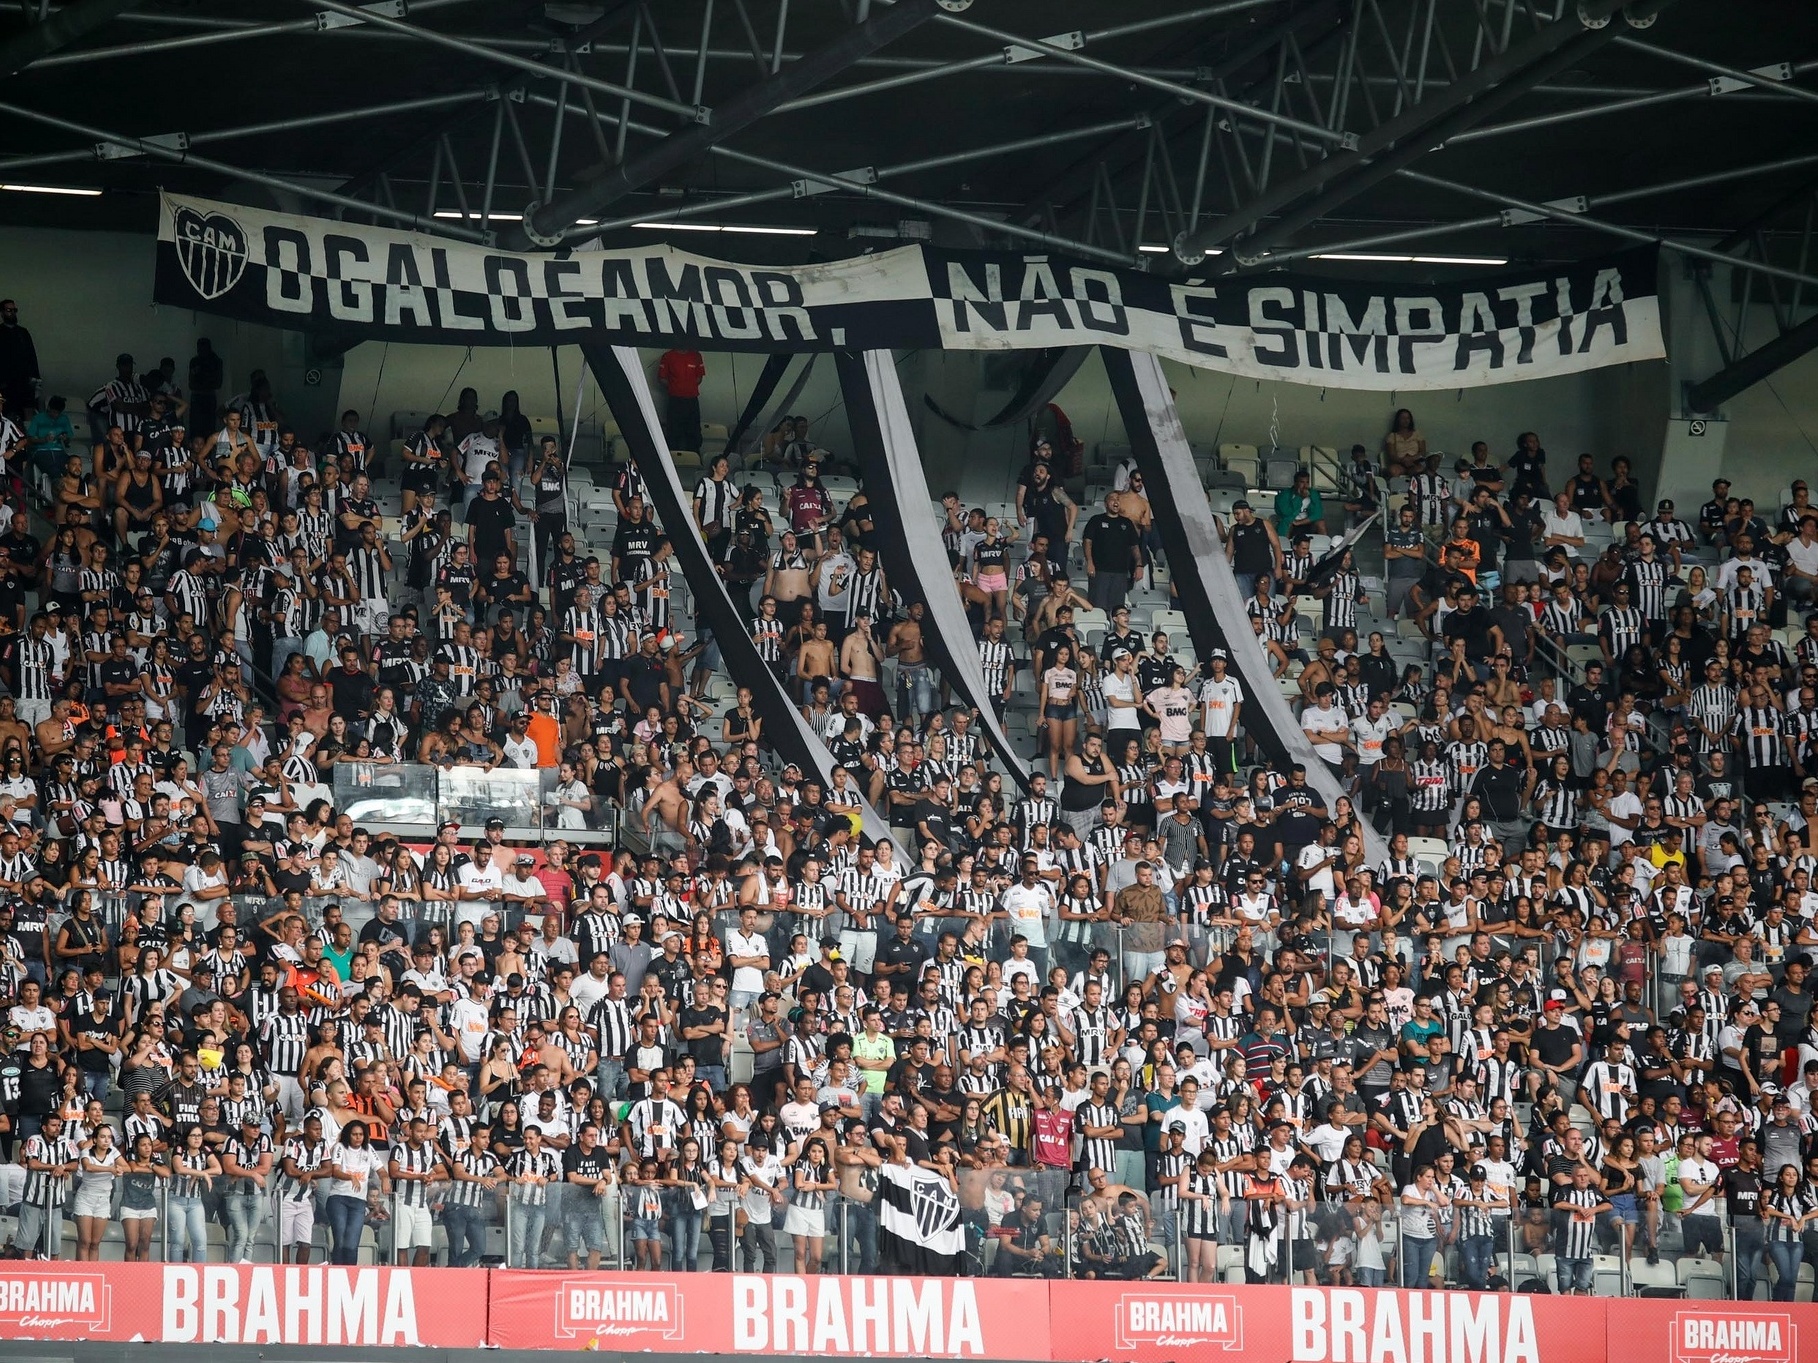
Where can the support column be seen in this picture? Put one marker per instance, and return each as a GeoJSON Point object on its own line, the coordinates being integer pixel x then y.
{"type": "Point", "coordinates": [1209, 594]}
{"type": "Point", "coordinates": [1692, 450]}
{"type": "Point", "coordinates": [910, 543]}
{"type": "Point", "coordinates": [620, 373]}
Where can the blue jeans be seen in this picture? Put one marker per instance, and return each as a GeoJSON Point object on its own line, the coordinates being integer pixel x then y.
{"type": "Point", "coordinates": [524, 1234]}
{"type": "Point", "coordinates": [1786, 1255]}
{"type": "Point", "coordinates": [1476, 1251]}
{"type": "Point", "coordinates": [94, 1083]}
{"type": "Point", "coordinates": [611, 1079]}
{"type": "Point", "coordinates": [861, 1224]}
{"type": "Point", "coordinates": [346, 1224]}
{"type": "Point", "coordinates": [1574, 1274]}
{"type": "Point", "coordinates": [1750, 1242]}
{"type": "Point", "coordinates": [1417, 1260]}
{"type": "Point", "coordinates": [188, 1231]}
{"type": "Point", "coordinates": [243, 1214]}
{"type": "Point", "coordinates": [466, 1230]}
{"type": "Point", "coordinates": [685, 1229]}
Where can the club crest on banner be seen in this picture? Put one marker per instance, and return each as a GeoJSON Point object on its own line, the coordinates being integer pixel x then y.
{"type": "Point", "coordinates": [211, 248]}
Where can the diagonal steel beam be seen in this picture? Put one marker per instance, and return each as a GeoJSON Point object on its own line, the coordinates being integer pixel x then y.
{"type": "Point", "coordinates": [1750, 369]}
{"type": "Point", "coordinates": [1190, 93]}
{"type": "Point", "coordinates": [543, 224]}
{"type": "Point", "coordinates": [69, 24]}
{"type": "Point", "coordinates": [467, 47]}
{"type": "Point", "coordinates": [189, 158]}
{"type": "Point", "coordinates": [1399, 140]}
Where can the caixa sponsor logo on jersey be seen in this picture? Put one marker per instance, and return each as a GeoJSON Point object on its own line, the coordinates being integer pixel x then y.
{"type": "Point", "coordinates": [588, 1306]}
{"type": "Point", "coordinates": [49, 1300]}
{"type": "Point", "coordinates": [1175, 1322]}
{"type": "Point", "coordinates": [1717, 1336]}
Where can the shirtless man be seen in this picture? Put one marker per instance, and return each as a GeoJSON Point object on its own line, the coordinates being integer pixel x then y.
{"type": "Point", "coordinates": [1134, 503]}
{"type": "Point", "coordinates": [1060, 593]}
{"type": "Point", "coordinates": [790, 577]}
{"type": "Point", "coordinates": [12, 728]}
{"type": "Point", "coordinates": [666, 811]}
{"type": "Point", "coordinates": [914, 678]}
{"type": "Point", "coordinates": [815, 662]}
{"type": "Point", "coordinates": [860, 659]}
{"type": "Point", "coordinates": [56, 734]}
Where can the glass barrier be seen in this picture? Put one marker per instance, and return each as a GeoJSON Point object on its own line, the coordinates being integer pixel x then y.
{"type": "Point", "coordinates": [1340, 1229]}
{"type": "Point", "coordinates": [473, 795]}
{"type": "Point", "coordinates": [379, 792]}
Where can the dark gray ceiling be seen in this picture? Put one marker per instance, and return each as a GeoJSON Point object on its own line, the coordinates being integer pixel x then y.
{"type": "Point", "coordinates": [211, 66]}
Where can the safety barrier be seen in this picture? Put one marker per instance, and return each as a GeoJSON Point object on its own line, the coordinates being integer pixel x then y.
{"type": "Point", "coordinates": [883, 1316]}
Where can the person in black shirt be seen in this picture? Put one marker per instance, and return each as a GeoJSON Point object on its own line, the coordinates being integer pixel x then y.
{"type": "Point", "coordinates": [1472, 623]}
{"type": "Point", "coordinates": [1591, 699]}
{"type": "Point", "coordinates": [1742, 1189]}
{"type": "Point", "coordinates": [903, 955]}
{"type": "Point", "coordinates": [705, 1031]}
{"type": "Point", "coordinates": [1111, 544]}
{"type": "Point", "coordinates": [489, 523]}
{"type": "Point", "coordinates": [503, 587]}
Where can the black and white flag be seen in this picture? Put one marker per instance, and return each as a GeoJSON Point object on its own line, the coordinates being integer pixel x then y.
{"type": "Point", "coordinates": [918, 1222]}
{"type": "Point", "coordinates": [375, 283]}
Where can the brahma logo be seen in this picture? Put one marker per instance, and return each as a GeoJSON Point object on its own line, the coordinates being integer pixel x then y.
{"type": "Point", "coordinates": [1179, 1321]}
{"type": "Point", "coordinates": [1718, 1336]}
{"type": "Point", "coordinates": [585, 1306]}
{"type": "Point", "coordinates": [49, 1300]}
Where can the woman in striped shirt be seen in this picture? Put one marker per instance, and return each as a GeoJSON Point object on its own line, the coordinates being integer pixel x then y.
{"type": "Point", "coordinates": [806, 1220]}
{"type": "Point", "coordinates": [194, 1170]}
{"type": "Point", "coordinates": [1787, 1209]}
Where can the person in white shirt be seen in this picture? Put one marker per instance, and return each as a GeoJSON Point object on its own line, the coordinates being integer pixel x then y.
{"type": "Point", "coordinates": [1370, 730]}
{"type": "Point", "coordinates": [1800, 581]}
{"type": "Point", "coordinates": [1029, 904]}
{"type": "Point", "coordinates": [1561, 527]}
{"type": "Point", "coordinates": [469, 1021]}
{"type": "Point", "coordinates": [1326, 726]}
{"type": "Point", "coordinates": [1189, 1119]}
{"type": "Point", "coordinates": [748, 953]}
{"type": "Point", "coordinates": [482, 882]}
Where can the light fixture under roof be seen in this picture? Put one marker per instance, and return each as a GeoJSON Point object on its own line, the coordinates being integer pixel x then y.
{"type": "Point", "coordinates": [1375, 258]}
{"type": "Point", "coordinates": [1150, 250]}
{"type": "Point", "coordinates": [748, 229]}
{"type": "Point", "coordinates": [67, 190]}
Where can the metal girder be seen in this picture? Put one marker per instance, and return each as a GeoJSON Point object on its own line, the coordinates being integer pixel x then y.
{"type": "Point", "coordinates": [1089, 173]}
{"type": "Point", "coordinates": [930, 69]}
{"type": "Point", "coordinates": [1622, 104]}
{"type": "Point", "coordinates": [1544, 210]}
{"type": "Point", "coordinates": [162, 152]}
{"type": "Point", "coordinates": [836, 180]}
{"type": "Point", "coordinates": [1400, 139]}
{"type": "Point", "coordinates": [59, 30]}
{"type": "Point", "coordinates": [543, 225]}
{"type": "Point", "coordinates": [1750, 369]}
{"type": "Point", "coordinates": [797, 190]}
{"type": "Point", "coordinates": [1190, 93]}
{"type": "Point", "coordinates": [281, 125]}
{"type": "Point", "coordinates": [470, 48]}
{"type": "Point", "coordinates": [228, 32]}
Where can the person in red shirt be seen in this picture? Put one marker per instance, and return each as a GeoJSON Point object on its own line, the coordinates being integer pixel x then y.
{"type": "Point", "coordinates": [680, 372]}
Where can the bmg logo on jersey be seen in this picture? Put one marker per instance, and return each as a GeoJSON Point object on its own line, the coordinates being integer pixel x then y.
{"type": "Point", "coordinates": [212, 249]}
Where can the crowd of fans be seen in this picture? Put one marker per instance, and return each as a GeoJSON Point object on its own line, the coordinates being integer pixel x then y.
{"type": "Point", "coordinates": [1157, 1012]}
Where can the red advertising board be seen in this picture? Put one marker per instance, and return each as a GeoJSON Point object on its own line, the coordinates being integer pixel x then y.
{"type": "Point", "coordinates": [853, 1317]}
{"type": "Point", "coordinates": [1712, 1331]}
{"type": "Point", "coordinates": [1158, 1321]}
{"type": "Point", "coordinates": [835, 1317]}
{"type": "Point", "coordinates": [242, 1304]}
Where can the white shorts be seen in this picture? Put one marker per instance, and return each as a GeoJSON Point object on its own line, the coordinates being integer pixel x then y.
{"type": "Point", "coordinates": [371, 614]}
{"type": "Point", "coordinates": [411, 1227]}
{"type": "Point", "coordinates": [290, 1098]}
{"type": "Point", "coordinates": [32, 712]}
{"type": "Point", "coordinates": [296, 1220]}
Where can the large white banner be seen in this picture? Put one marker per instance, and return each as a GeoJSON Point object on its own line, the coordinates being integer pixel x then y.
{"type": "Point", "coordinates": [383, 284]}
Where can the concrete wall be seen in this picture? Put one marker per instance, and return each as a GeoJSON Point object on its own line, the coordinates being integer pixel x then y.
{"type": "Point", "coordinates": [1605, 412]}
